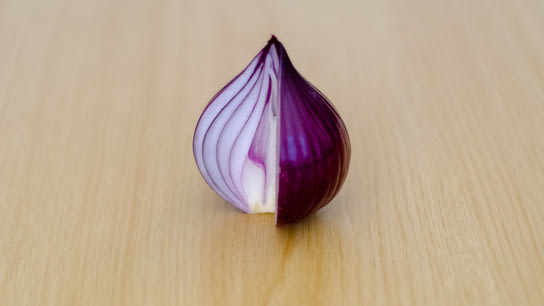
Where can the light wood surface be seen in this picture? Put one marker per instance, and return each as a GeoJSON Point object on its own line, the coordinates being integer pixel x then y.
{"type": "Point", "coordinates": [101, 202]}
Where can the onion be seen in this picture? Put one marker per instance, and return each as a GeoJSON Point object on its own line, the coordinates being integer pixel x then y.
{"type": "Point", "coordinates": [270, 142]}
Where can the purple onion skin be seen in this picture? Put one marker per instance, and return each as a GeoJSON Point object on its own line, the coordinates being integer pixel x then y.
{"type": "Point", "coordinates": [314, 146]}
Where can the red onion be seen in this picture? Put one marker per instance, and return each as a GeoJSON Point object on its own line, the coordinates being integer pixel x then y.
{"type": "Point", "coordinates": [269, 141]}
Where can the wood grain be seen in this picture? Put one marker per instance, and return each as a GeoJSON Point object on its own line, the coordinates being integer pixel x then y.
{"type": "Point", "coordinates": [101, 202]}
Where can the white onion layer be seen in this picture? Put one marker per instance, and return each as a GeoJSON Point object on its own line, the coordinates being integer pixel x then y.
{"type": "Point", "coordinates": [227, 130]}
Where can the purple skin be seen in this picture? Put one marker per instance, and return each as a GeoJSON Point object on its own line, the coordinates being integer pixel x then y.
{"type": "Point", "coordinates": [314, 146]}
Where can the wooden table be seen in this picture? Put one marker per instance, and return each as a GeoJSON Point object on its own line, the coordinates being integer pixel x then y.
{"type": "Point", "coordinates": [101, 202]}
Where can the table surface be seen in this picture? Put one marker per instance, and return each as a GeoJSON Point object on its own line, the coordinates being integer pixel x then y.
{"type": "Point", "coordinates": [101, 202]}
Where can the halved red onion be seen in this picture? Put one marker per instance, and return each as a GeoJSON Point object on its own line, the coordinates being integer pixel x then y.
{"type": "Point", "coordinates": [269, 141]}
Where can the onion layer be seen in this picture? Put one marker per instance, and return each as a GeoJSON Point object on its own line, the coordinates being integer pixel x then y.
{"type": "Point", "coordinates": [269, 141]}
